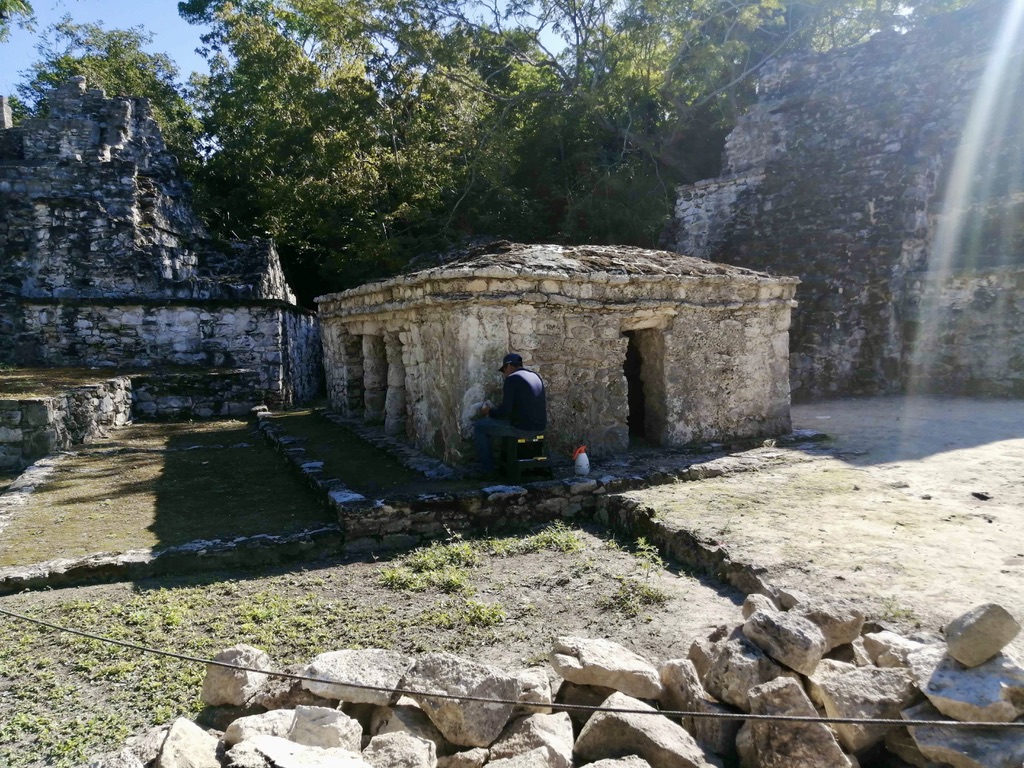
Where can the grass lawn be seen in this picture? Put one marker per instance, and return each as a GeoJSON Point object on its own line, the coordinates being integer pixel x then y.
{"type": "Point", "coordinates": [360, 465]}
{"type": "Point", "coordinates": [156, 485]}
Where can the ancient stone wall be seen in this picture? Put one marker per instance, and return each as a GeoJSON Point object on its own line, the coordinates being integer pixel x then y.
{"type": "Point", "coordinates": [845, 173]}
{"type": "Point", "coordinates": [419, 353]}
{"type": "Point", "coordinates": [35, 427]}
{"type": "Point", "coordinates": [104, 262]}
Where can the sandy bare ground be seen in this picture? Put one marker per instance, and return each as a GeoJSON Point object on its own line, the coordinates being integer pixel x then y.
{"type": "Point", "coordinates": [887, 512]}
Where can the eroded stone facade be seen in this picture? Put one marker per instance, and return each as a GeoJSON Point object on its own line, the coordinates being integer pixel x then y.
{"type": "Point", "coordinates": [846, 174]}
{"type": "Point", "coordinates": [105, 264]}
{"type": "Point", "coordinates": [418, 353]}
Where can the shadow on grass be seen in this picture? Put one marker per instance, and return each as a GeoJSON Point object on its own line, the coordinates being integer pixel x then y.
{"type": "Point", "coordinates": [161, 485]}
{"type": "Point", "coordinates": [228, 483]}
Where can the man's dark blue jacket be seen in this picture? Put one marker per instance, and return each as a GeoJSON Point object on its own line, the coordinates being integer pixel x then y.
{"type": "Point", "coordinates": [523, 403]}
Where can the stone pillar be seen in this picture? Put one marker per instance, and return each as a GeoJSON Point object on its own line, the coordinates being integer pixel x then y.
{"type": "Point", "coordinates": [394, 403]}
{"type": "Point", "coordinates": [352, 377]}
{"type": "Point", "coordinates": [375, 379]}
{"type": "Point", "coordinates": [6, 116]}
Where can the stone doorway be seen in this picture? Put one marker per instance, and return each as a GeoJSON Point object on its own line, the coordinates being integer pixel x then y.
{"type": "Point", "coordinates": [635, 398]}
{"type": "Point", "coordinates": [644, 370]}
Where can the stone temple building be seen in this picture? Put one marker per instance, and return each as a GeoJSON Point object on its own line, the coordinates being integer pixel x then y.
{"type": "Point", "coordinates": [103, 262]}
{"type": "Point", "coordinates": [889, 177]}
{"type": "Point", "coordinates": [635, 342]}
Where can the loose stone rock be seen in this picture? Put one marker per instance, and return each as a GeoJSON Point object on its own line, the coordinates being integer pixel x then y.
{"type": "Point", "coordinates": [553, 732]}
{"type": "Point", "coordinates": [369, 667]}
{"type": "Point", "coordinates": [787, 744]}
{"type": "Point", "coordinates": [756, 602]}
{"type": "Point", "coordinates": [991, 692]}
{"type": "Point", "coordinates": [536, 690]}
{"type": "Point", "coordinates": [960, 748]}
{"type": "Point", "coordinates": [658, 740]}
{"type": "Point", "coordinates": [684, 692]}
{"type": "Point", "coordinates": [406, 716]}
{"type": "Point", "coordinates": [737, 667]}
{"type": "Point", "coordinates": [604, 663]}
{"type": "Point", "coordinates": [188, 746]}
{"type": "Point", "coordinates": [980, 634]}
{"type": "Point", "coordinates": [470, 758]}
{"type": "Point", "coordinates": [791, 640]}
{"type": "Point", "coordinates": [400, 750]}
{"type": "Point", "coordinates": [276, 722]}
{"type": "Point", "coordinates": [866, 692]}
{"type": "Point", "coordinates": [275, 752]}
{"type": "Point", "coordinates": [467, 723]}
{"type": "Point", "coordinates": [235, 687]}
{"type": "Point", "coordinates": [887, 649]}
{"type": "Point", "coordinates": [535, 758]}
{"type": "Point", "coordinates": [326, 728]}
{"type": "Point", "coordinates": [839, 622]}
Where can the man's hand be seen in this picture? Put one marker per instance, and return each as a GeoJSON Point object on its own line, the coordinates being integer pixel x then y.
{"type": "Point", "coordinates": [485, 409]}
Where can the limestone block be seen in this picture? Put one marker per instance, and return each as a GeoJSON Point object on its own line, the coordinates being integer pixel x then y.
{"type": "Point", "coordinates": [684, 692]}
{"type": "Point", "coordinates": [400, 750]}
{"type": "Point", "coordinates": [188, 746]}
{"type": "Point", "coordinates": [630, 761]}
{"type": "Point", "coordinates": [276, 722]}
{"type": "Point", "coordinates": [737, 667]}
{"type": "Point", "coordinates": [779, 744]}
{"type": "Point", "coordinates": [899, 742]}
{"type": "Point", "coordinates": [607, 664]}
{"type": "Point", "coordinates": [369, 667]}
{"type": "Point", "coordinates": [466, 723]}
{"type": "Point", "coordinates": [756, 602]}
{"type": "Point", "coordinates": [326, 728]}
{"type": "Point", "coordinates": [980, 634]}
{"type": "Point", "coordinates": [658, 740]}
{"type": "Point", "coordinates": [789, 639]}
{"type": "Point", "coordinates": [582, 695]}
{"type": "Point", "coordinates": [10, 435]}
{"type": "Point", "coordinates": [406, 716]}
{"type": "Point", "coordinates": [275, 752]}
{"type": "Point", "coordinates": [235, 687]}
{"type": "Point", "coordinates": [888, 649]}
{"type": "Point", "coordinates": [827, 668]}
{"type": "Point", "coordinates": [960, 748]}
{"type": "Point", "coordinates": [553, 732]}
{"type": "Point", "coordinates": [470, 758]}
{"type": "Point", "coordinates": [990, 692]}
{"type": "Point", "coordinates": [536, 691]}
{"type": "Point", "coordinates": [839, 622]}
{"type": "Point", "coordinates": [866, 692]}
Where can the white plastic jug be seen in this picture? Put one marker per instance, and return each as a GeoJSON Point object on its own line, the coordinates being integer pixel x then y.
{"type": "Point", "coordinates": [582, 462]}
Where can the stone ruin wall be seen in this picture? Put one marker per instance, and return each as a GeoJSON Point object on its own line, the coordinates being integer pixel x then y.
{"type": "Point", "coordinates": [419, 355]}
{"type": "Point", "coordinates": [839, 175]}
{"type": "Point", "coordinates": [104, 263]}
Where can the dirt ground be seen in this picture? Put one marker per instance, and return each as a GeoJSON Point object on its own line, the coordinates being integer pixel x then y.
{"type": "Point", "coordinates": [913, 507]}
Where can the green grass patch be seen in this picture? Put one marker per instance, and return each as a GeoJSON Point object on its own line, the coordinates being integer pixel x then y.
{"type": "Point", "coordinates": [557, 537]}
{"type": "Point", "coordinates": [158, 485]}
{"type": "Point", "coordinates": [464, 615]}
{"type": "Point", "coordinates": [633, 597]}
{"type": "Point", "coordinates": [360, 465]}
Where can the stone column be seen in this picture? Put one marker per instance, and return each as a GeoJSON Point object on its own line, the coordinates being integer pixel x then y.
{"type": "Point", "coordinates": [394, 404]}
{"type": "Point", "coordinates": [375, 379]}
{"type": "Point", "coordinates": [6, 116]}
{"type": "Point", "coordinates": [352, 376]}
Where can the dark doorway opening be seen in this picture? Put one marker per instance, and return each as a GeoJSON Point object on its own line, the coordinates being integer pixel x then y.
{"type": "Point", "coordinates": [636, 418]}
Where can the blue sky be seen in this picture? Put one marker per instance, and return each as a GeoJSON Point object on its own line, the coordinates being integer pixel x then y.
{"type": "Point", "coordinates": [171, 34]}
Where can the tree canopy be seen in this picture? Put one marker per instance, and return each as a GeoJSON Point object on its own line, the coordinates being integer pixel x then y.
{"type": "Point", "coordinates": [360, 133]}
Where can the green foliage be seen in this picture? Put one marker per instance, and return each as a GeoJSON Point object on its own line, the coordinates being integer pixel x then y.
{"type": "Point", "coordinates": [557, 537]}
{"type": "Point", "coordinates": [633, 597]}
{"type": "Point", "coordinates": [115, 61]}
{"type": "Point", "coordinates": [18, 10]}
{"type": "Point", "coordinates": [470, 614]}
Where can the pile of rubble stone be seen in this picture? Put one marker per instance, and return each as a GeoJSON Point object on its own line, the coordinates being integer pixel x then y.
{"type": "Point", "coordinates": [791, 657]}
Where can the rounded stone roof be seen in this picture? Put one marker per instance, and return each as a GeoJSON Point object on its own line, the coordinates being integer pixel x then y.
{"type": "Point", "coordinates": [574, 260]}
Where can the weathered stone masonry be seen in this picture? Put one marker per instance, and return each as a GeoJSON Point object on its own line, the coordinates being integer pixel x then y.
{"type": "Point", "coordinates": [841, 175]}
{"type": "Point", "coordinates": [104, 263]}
{"type": "Point", "coordinates": [418, 353]}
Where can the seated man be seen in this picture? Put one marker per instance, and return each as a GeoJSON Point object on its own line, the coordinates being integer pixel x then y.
{"type": "Point", "coordinates": [523, 410]}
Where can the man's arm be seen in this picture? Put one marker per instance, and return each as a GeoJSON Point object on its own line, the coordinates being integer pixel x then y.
{"type": "Point", "coordinates": [508, 401]}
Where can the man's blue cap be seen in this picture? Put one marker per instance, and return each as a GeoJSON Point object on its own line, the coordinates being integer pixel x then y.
{"type": "Point", "coordinates": [511, 359]}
